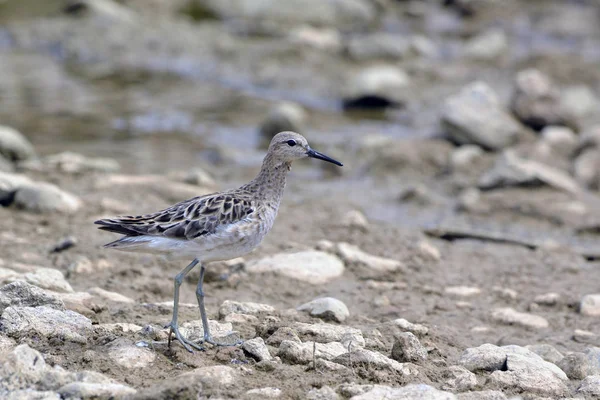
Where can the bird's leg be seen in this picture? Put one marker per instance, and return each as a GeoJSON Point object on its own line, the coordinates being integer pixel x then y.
{"type": "Point", "coordinates": [200, 296]}
{"type": "Point", "coordinates": [173, 326]}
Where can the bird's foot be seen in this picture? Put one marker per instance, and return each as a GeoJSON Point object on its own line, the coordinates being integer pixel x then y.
{"type": "Point", "coordinates": [187, 344]}
{"type": "Point", "coordinates": [210, 340]}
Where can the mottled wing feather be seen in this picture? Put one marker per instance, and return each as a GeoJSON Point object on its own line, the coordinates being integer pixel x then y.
{"type": "Point", "coordinates": [186, 220]}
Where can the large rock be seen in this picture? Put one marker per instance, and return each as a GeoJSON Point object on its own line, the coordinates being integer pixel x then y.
{"type": "Point", "coordinates": [516, 368]}
{"type": "Point", "coordinates": [376, 87]}
{"type": "Point", "coordinates": [45, 322]}
{"type": "Point", "coordinates": [512, 170]}
{"type": "Point", "coordinates": [536, 101]}
{"type": "Point", "coordinates": [314, 267]}
{"type": "Point", "coordinates": [326, 308]}
{"type": "Point", "coordinates": [338, 13]}
{"type": "Point", "coordinates": [579, 365]}
{"type": "Point", "coordinates": [45, 197]}
{"type": "Point", "coordinates": [45, 278]}
{"type": "Point", "coordinates": [13, 145]}
{"type": "Point", "coordinates": [475, 116]}
{"type": "Point", "coordinates": [23, 294]}
{"type": "Point", "coordinates": [590, 386]}
{"type": "Point", "coordinates": [257, 349]}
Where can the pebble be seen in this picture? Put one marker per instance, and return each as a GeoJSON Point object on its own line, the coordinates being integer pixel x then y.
{"type": "Point", "coordinates": [408, 348]}
{"type": "Point", "coordinates": [326, 308]}
{"type": "Point", "coordinates": [42, 197]}
{"type": "Point", "coordinates": [64, 244]}
{"type": "Point", "coordinates": [376, 360]}
{"type": "Point", "coordinates": [81, 265]}
{"type": "Point", "coordinates": [13, 145]}
{"type": "Point", "coordinates": [590, 305]}
{"type": "Point", "coordinates": [459, 379]}
{"type": "Point", "coordinates": [303, 353]}
{"type": "Point", "coordinates": [229, 307]}
{"type": "Point", "coordinates": [6, 345]}
{"type": "Point", "coordinates": [322, 364]}
{"type": "Point", "coordinates": [483, 395]}
{"type": "Point", "coordinates": [72, 163]}
{"type": "Point", "coordinates": [417, 329]}
{"type": "Point", "coordinates": [586, 167]}
{"type": "Point", "coordinates": [257, 349]}
{"type": "Point", "coordinates": [583, 336]}
{"type": "Point", "coordinates": [487, 357]}
{"type": "Point", "coordinates": [241, 319]}
{"type": "Point", "coordinates": [46, 322]}
{"type": "Point", "coordinates": [23, 294]}
{"type": "Point", "coordinates": [475, 116]}
{"type": "Point", "coordinates": [377, 86]}
{"type": "Point", "coordinates": [315, 267]}
{"type": "Point", "coordinates": [80, 302]}
{"type": "Point", "coordinates": [462, 291]}
{"type": "Point", "coordinates": [463, 158]}
{"type": "Point", "coordinates": [110, 296]}
{"type": "Point", "coordinates": [536, 101]}
{"type": "Point", "coordinates": [489, 45]}
{"type": "Point", "coordinates": [382, 45]}
{"type": "Point", "coordinates": [323, 393]}
{"type": "Point", "coordinates": [547, 352]}
{"type": "Point", "coordinates": [285, 116]}
{"type": "Point", "coordinates": [511, 316]}
{"type": "Point", "coordinates": [352, 254]}
{"type": "Point", "coordinates": [579, 101]}
{"type": "Point", "coordinates": [355, 219]}
{"type": "Point", "coordinates": [547, 299]}
{"type": "Point", "coordinates": [263, 393]}
{"type": "Point", "coordinates": [319, 38]}
{"type": "Point", "coordinates": [281, 334]}
{"type": "Point", "coordinates": [119, 327]}
{"type": "Point", "coordinates": [199, 177]}
{"type": "Point", "coordinates": [131, 356]}
{"type": "Point", "coordinates": [411, 391]}
{"type": "Point", "coordinates": [89, 390]}
{"type": "Point", "coordinates": [426, 250]}
{"type": "Point", "coordinates": [590, 386]}
{"type": "Point", "coordinates": [325, 333]}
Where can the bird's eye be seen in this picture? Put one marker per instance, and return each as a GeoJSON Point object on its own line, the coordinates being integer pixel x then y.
{"type": "Point", "coordinates": [291, 142]}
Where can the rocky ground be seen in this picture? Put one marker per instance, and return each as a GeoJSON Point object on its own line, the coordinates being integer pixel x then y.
{"type": "Point", "coordinates": [454, 255]}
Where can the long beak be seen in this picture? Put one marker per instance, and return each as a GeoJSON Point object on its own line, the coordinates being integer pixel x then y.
{"type": "Point", "coordinates": [315, 154]}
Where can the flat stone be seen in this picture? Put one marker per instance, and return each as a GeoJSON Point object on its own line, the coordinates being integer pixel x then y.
{"type": "Point", "coordinates": [44, 278]}
{"type": "Point", "coordinates": [417, 329]}
{"type": "Point", "coordinates": [462, 291]}
{"type": "Point", "coordinates": [23, 294]}
{"type": "Point", "coordinates": [303, 353]}
{"type": "Point", "coordinates": [257, 349]}
{"type": "Point", "coordinates": [314, 267]}
{"type": "Point", "coordinates": [483, 395]}
{"type": "Point", "coordinates": [213, 377]}
{"type": "Point", "coordinates": [590, 305]}
{"type": "Point", "coordinates": [236, 307]}
{"type": "Point", "coordinates": [110, 296]}
{"type": "Point", "coordinates": [46, 322]}
{"type": "Point", "coordinates": [96, 391]}
{"type": "Point", "coordinates": [511, 316]}
{"type": "Point", "coordinates": [475, 116]}
{"type": "Point", "coordinates": [408, 392]}
{"type": "Point", "coordinates": [44, 197]}
{"type": "Point", "coordinates": [512, 170]}
{"type": "Point", "coordinates": [263, 393]}
{"type": "Point", "coordinates": [326, 308]}
{"type": "Point", "coordinates": [14, 145]}
{"type": "Point", "coordinates": [459, 379]}
{"type": "Point", "coordinates": [407, 348]}
{"type": "Point", "coordinates": [352, 254]}
{"type": "Point", "coordinates": [547, 299]}
{"type": "Point", "coordinates": [131, 356]}
{"type": "Point", "coordinates": [325, 333]}
{"type": "Point", "coordinates": [487, 357]}
{"type": "Point", "coordinates": [376, 360]}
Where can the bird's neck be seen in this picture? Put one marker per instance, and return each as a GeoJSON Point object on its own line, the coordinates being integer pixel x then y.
{"type": "Point", "coordinates": [270, 181]}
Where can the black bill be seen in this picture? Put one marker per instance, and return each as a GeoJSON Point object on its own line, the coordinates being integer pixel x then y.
{"type": "Point", "coordinates": [321, 156]}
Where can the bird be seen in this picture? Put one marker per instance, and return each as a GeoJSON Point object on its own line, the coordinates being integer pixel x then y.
{"type": "Point", "coordinates": [214, 227]}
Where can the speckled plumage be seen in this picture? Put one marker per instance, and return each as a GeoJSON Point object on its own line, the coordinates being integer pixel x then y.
{"type": "Point", "coordinates": [218, 226]}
